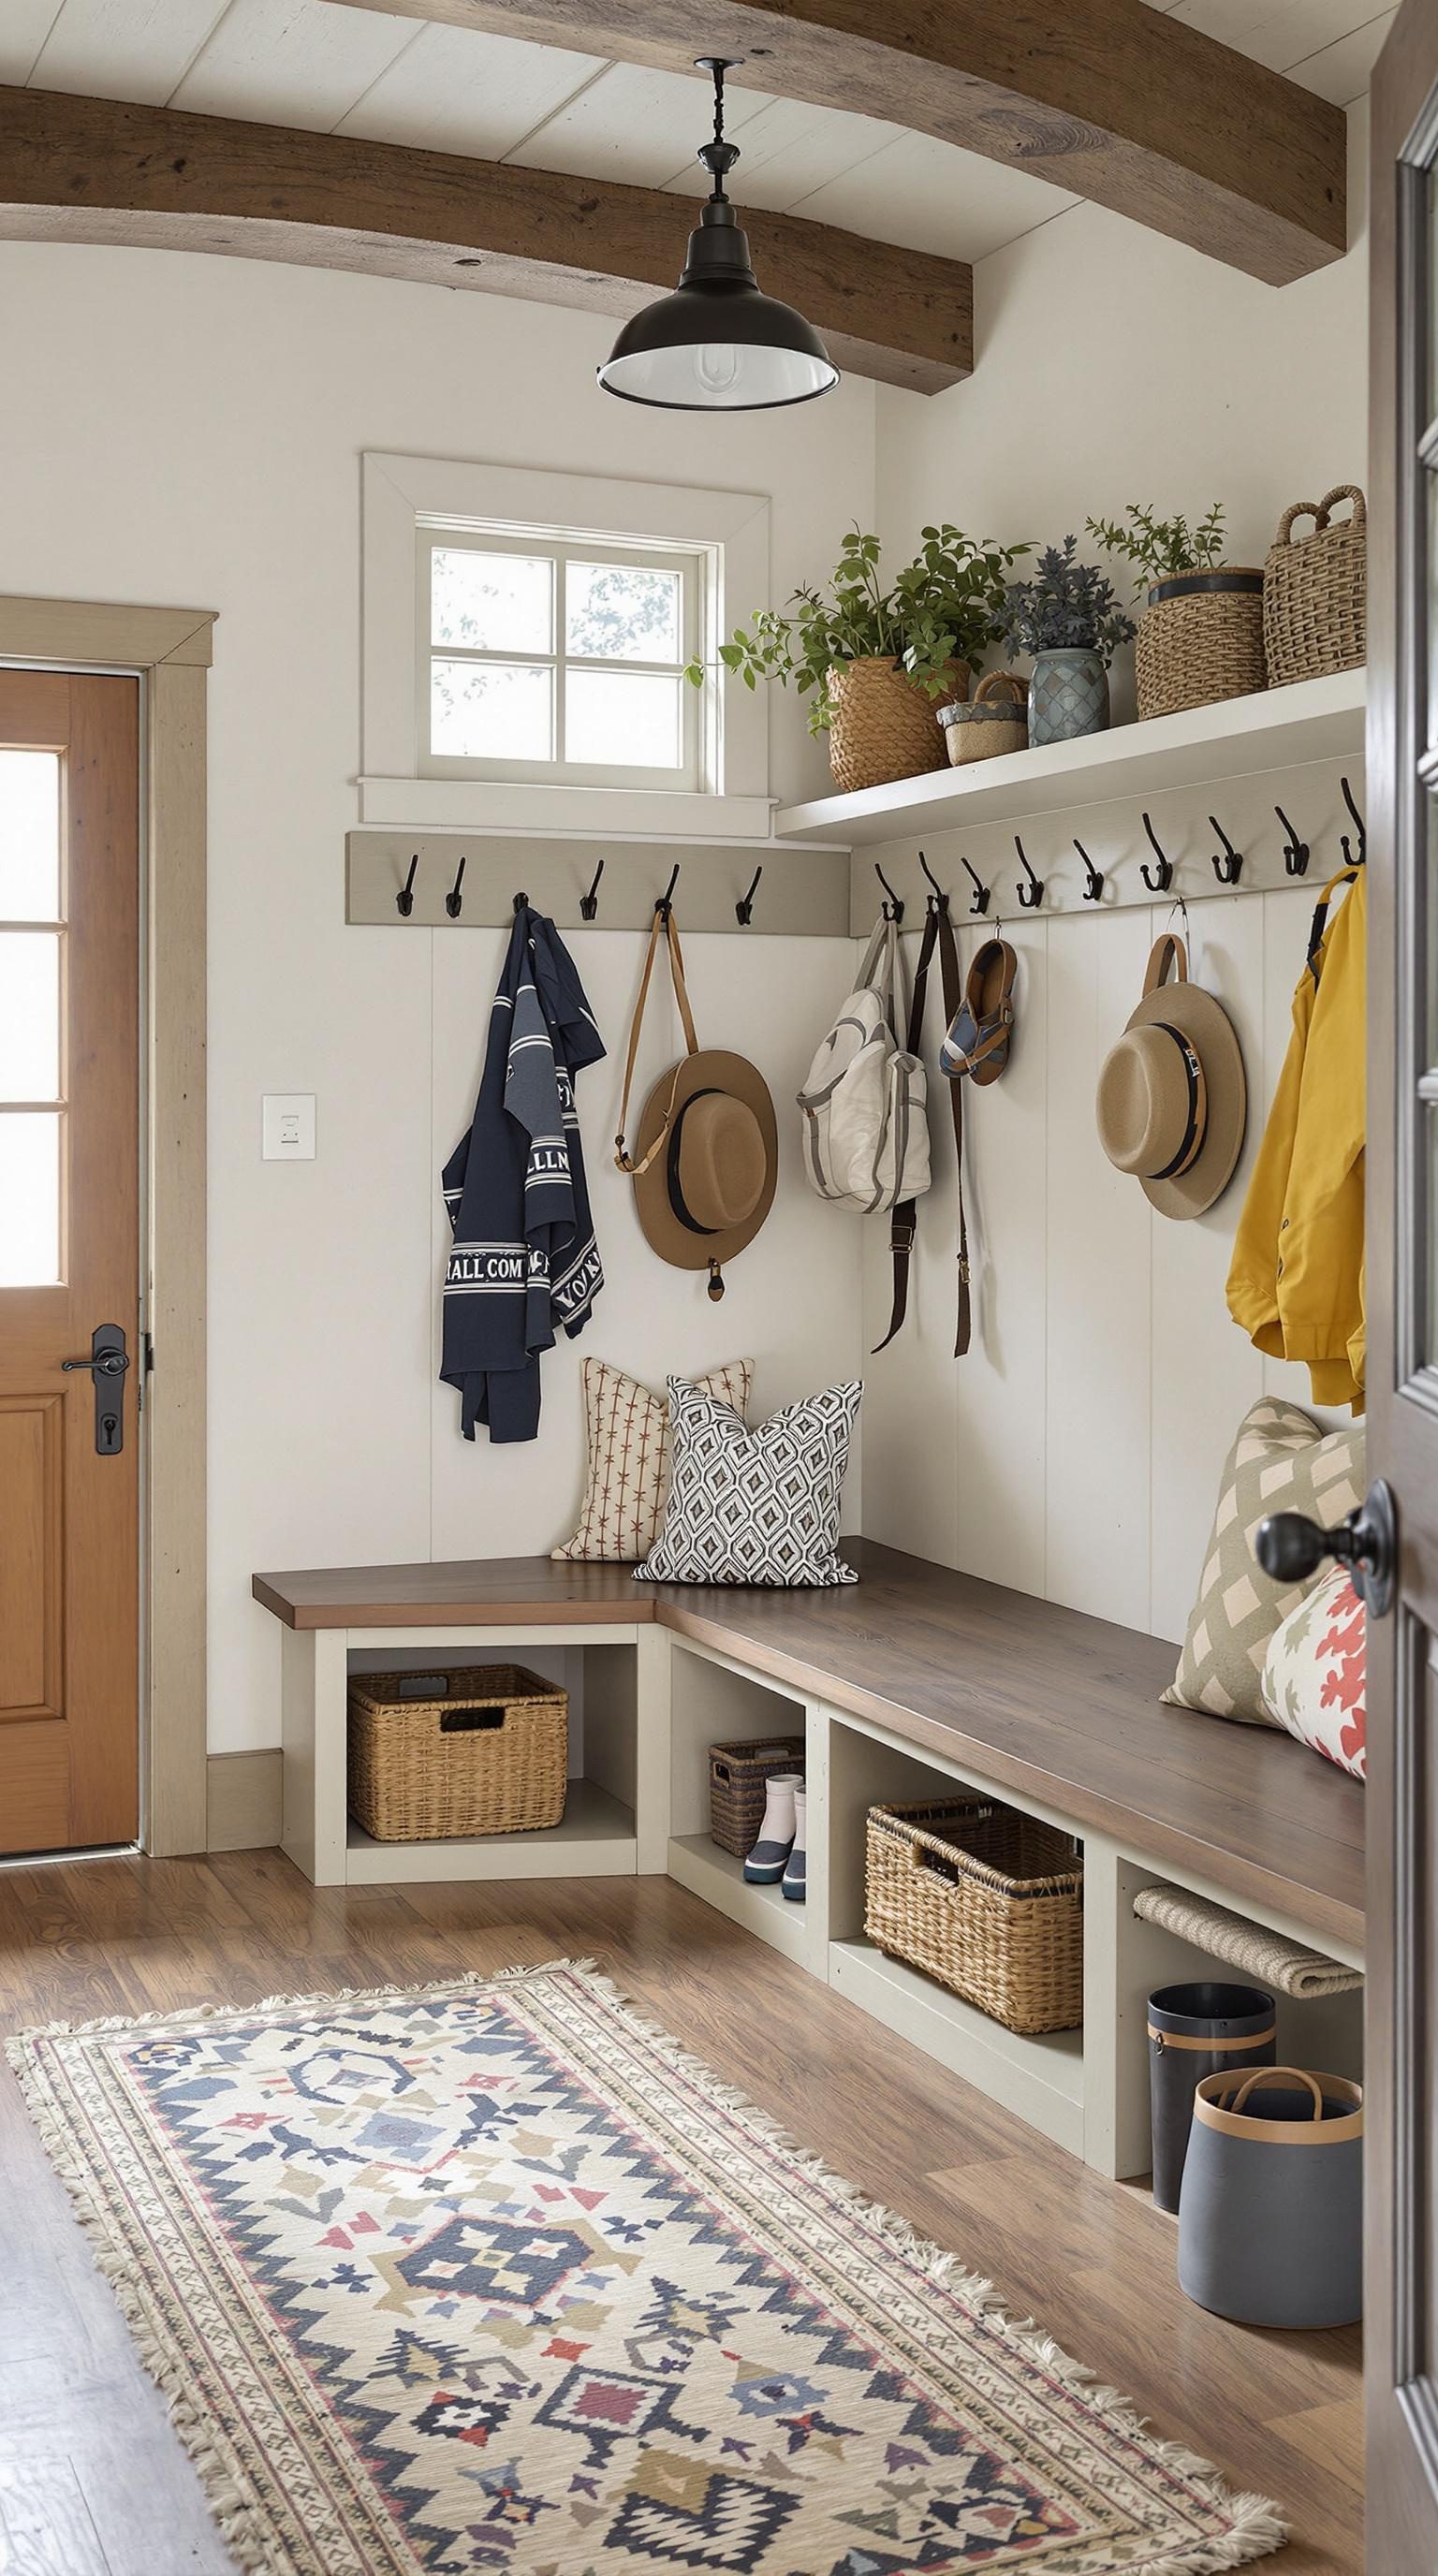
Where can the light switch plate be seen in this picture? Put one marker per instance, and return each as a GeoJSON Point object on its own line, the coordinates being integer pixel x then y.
{"type": "Point", "coordinates": [287, 1126]}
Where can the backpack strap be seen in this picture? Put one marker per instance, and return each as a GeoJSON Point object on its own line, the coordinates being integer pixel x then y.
{"type": "Point", "coordinates": [665, 924]}
{"type": "Point", "coordinates": [938, 930]}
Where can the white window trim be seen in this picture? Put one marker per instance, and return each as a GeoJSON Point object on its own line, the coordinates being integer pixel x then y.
{"type": "Point", "coordinates": [399, 491]}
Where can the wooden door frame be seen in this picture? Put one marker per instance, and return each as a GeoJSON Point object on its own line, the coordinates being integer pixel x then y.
{"type": "Point", "coordinates": [170, 651]}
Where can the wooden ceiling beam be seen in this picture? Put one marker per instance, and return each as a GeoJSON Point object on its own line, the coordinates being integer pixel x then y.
{"type": "Point", "coordinates": [1110, 99]}
{"type": "Point", "coordinates": [100, 170]}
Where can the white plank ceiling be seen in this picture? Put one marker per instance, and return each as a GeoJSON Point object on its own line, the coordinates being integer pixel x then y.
{"type": "Point", "coordinates": [395, 80]}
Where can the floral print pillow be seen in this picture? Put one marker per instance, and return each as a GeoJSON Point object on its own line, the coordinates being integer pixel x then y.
{"type": "Point", "coordinates": [1315, 1673]}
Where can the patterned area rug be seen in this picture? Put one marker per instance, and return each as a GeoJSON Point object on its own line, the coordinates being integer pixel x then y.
{"type": "Point", "coordinates": [494, 2276]}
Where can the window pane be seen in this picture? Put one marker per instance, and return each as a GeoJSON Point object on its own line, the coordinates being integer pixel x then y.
{"type": "Point", "coordinates": [492, 603]}
{"type": "Point", "coordinates": [624, 719]}
{"type": "Point", "coordinates": [29, 1199]}
{"type": "Point", "coordinates": [491, 711]}
{"type": "Point", "coordinates": [29, 836]}
{"type": "Point", "coordinates": [29, 1015]}
{"type": "Point", "coordinates": [622, 613]}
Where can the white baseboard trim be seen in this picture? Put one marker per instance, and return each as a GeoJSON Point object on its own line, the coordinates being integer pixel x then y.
{"type": "Point", "coordinates": [244, 1800]}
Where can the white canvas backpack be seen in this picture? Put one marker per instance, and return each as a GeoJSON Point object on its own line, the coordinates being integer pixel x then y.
{"type": "Point", "coordinates": [865, 1099]}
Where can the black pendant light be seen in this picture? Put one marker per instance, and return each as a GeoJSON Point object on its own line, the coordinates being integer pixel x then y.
{"type": "Point", "coordinates": [717, 344]}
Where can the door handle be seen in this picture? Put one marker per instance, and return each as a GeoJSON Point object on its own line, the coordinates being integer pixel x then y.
{"type": "Point", "coordinates": [107, 1362]}
{"type": "Point", "coordinates": [1290, 1547]}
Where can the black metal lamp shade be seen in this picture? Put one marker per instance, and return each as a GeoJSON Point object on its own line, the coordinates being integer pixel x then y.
{"type": "Point", "coordinates": [717, 343]}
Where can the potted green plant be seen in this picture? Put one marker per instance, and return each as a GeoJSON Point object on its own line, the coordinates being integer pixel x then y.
{"type": "Point", "coordinates": [875, 661]}
{"type": "Point", "coordinates": [1201, 636]}
{"type": "Point", "coordinates": [1067, 617]}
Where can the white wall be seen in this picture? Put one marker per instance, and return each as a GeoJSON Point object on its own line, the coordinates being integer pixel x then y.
{"type": "Point", "coordinates": [188, 430]}
{"type": "Point", "coordinates": [1075, 1453]}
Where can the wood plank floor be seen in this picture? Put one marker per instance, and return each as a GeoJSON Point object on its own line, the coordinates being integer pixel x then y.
{"type": "Point", "coordinates": [92, 2481]}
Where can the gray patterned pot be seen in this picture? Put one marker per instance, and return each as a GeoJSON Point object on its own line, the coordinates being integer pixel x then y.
{"type": "Point", "coordinates": [1068, 695]}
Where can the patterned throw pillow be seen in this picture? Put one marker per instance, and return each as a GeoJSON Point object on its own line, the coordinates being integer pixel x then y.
{"type": "Point", "coordinates": [1280, 1462]}
{"type": "Point", "coordinates": [1315, 1674]}
{"type": "Point", "coordinates": [755, 1506]}
{"type": "Point", "coordinates": [627, 1433]}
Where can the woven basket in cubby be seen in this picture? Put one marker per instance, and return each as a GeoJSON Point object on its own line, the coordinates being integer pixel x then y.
{"type": "Point", "coordinates": [480, 1749]}
{"type": "Point", "coordinates": [985, 1900]}
{"type": "Point", "coordinates": [739, 1777]}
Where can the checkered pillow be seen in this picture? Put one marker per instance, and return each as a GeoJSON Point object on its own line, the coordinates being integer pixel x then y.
{"type": "Point", "coordinates": [755, 1506]}
{"type": "Point", "coordinates": [1280, 1462]}
{"type": "Point", "coordinates": [627, 1431]}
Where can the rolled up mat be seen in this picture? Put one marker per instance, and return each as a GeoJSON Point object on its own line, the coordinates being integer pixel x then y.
{"type": "Point", "coordinates": [1270, 2226]}
{"type": "Point", "coordinates": [1269, 1956]}
{"type": "Point", "coordinates": [1196, 2031]}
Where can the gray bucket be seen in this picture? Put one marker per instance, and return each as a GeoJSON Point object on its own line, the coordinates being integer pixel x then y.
{"type": "Point", "coordinates": [1270, 2224]}
{"type": "Point", "coordinates": [1205, 2028]}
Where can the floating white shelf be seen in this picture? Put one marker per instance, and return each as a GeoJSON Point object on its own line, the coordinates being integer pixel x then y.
{"type": "Point", "coordinates": [594, 1840]}
{"type": "Point", "coordinates": [1041, 2079]}
{"type": "Point", "coordinates": [1277, 729]}
{"type": "Point", "coordinates": [718, 1877]}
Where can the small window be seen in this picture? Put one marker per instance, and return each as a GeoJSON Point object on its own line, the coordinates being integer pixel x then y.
{"type": "Point", "coordinates": [559, 658]}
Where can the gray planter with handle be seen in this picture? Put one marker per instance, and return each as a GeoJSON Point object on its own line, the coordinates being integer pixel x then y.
{"type": "Point", "coordinates": [1270, 2222]}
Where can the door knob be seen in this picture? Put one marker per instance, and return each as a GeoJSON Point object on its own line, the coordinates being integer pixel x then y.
{"type": "Point", "coordinates": [104, 1363]}
{"type": "Point", "coordinates": [1290, 1547]}
{"type": "Point", "coordinates": [107, 1361]}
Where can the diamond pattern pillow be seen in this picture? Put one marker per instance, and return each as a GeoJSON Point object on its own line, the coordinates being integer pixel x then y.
{"type": "Point", "coordinates": [1280, 1462]}
{"type": "Point", "coordinates": [755, 1506]}
{"type": "Point", "coordinates": [627, 1435]}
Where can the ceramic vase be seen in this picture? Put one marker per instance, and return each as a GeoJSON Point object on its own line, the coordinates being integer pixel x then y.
{"type": "Point", "coordinates": [1068, 695]}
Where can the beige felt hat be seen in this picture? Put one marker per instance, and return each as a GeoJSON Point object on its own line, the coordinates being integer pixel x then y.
{"type": "Point", "coordinates": [711, 1185]}
{"type": "Point", "coordinates": [1172, 1098]}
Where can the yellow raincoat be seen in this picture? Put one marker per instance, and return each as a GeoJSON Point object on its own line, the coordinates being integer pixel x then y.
{"type": "Point", "coordinates": [1296, 1284]}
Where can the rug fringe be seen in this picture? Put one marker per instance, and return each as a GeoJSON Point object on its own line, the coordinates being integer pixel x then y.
{"type": "Point", "coordinates": [1255, 2527]}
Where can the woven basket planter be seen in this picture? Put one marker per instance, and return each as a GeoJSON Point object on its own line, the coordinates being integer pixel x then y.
{"type": "Point", "coordinates": [996, 721]}
{"type": "Point", "coordinates": [882, 726]}
{"type": "Point", "coordinates": [483, 1750]}
{"type": "Point", "coordinates": [739, 1776]}
{"type": "Point", "coordinates": [1200, 639]}
{"type": "Point", "coordinates": [986, 1901]}
{"type": "Point", "coordinates": [1315, 591]}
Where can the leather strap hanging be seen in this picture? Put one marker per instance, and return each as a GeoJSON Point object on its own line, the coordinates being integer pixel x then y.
{"type": "Point", "coordinates": [938, 930]}
{"type": "Point", "coordinates": [666, 926]}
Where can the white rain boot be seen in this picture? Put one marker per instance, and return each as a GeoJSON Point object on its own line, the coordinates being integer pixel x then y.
{"type": "Point", "coordinates": [766, 1862]}
{"type": "Point", "coordinates": [795, 1871]}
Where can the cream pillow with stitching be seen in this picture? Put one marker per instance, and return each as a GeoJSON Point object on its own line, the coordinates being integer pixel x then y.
{"type": "Point", "coordinates": [627, 1434]}
{"type": "Point", "coordinates": [1280, 1462]}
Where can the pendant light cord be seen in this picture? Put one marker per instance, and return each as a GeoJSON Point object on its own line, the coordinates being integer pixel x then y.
{"type": "Point", "coordinates": [718, 157]}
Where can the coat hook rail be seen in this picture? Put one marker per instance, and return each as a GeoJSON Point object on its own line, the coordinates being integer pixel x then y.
{"type": "Point", "coordinates": [980, 901]}
{"type": "Point", "coordinates": [1093, 877]}
{"type": "Point", "coordinates": [1160, 883]}
{"type": "Point", "coordinates": [404, 900]}
{"type": "Point", "coordinates": [1296, 852]}
{"type": "Point", "coordinates": [1031, 887]}
{"type": "Point", "coordinates": [589, 903]}
{"type": "Point", "coordinates": [454, 900]}
{"type": "Point", "coordinates": [1227, 862]}
{"type": "Point", "coordinates": [744, 908]}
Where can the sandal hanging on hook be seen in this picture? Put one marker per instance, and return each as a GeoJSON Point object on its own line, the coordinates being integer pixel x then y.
{"type": "Point", "coordinates": [744, 908]}
{"type": "Point", "coordinates": [589, 903]}
{"type": "Point", "coordinates": [893, 909]}
{"type": "Point", "coordinates": [1030, 895]}
{"type": "Point", "coordinates": [1296, 853]}
{"type": "Point", "coordinates": [1093, 877]}
{"type": "Point", "coordinates": [980, 901]}
{"type": "Point", "coordinates": [1227, 862]}
{"type": "Point", "coordinates": [1156, 884]}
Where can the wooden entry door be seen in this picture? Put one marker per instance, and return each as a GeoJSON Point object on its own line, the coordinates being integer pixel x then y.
{"type": "Point", "coordinates": [1402, 1900]}
{"type": "Point", "coordinates": [69, 1260]}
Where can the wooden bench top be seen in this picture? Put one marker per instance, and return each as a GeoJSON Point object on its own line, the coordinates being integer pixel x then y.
{"type": "Point", "coordinates": [1040, 1700]}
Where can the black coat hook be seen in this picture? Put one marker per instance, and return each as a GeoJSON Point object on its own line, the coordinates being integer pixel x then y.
{"type": "Point", "coordinates": [1227, 862]}
{"type": "Point", "coordinates": [744, 908]}
{"type": "Point", "coordinates": [893, 909]}
{"type": "Point", "coordinates": [1359, 826]}
{"type": "Point", "coordinates": [589, 903]}
{"type": "Point", "coordinates": [665, 904]}
{"type": "Point", "coordinates": [521, 904]}
{"type": "Point", "coordinates": [938, 900]}
{"type": "Point", "coordinates": [454, 900]}
{"type": "Point", "coordinates": [1030, 895]}
{"type": "Point", "coordinates": [1093, 877]}
{"type": "Point", "coordinates": [1156, 884]}
{"type": "Point", "coordinates": [980, 902]}
{"type": "Point", "coordinates": [404, 900]}
{"type": "Point", "coordinates": [1296, 853]}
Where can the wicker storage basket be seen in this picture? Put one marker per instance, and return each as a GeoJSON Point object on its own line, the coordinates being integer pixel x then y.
{"type": "Point", "coordinates": [739, 1775]}
{"type": "Point", "coordinates": [997, 721]}
{"type": "Point", "coordinates": [482, 1750]}
{"type": "Point", "coordinates": [1315, 591]}
{"type": "Point", "coordinates": [987, 1901]}
{"type": "Point", "coordinates": [883, 727]}
{"type": "Point", "coordinates": [1200, 639]}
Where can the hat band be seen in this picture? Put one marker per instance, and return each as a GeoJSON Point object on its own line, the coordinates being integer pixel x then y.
{"type": "Point", "coordinates": [1192, 1140]}
{"type": "Point", "coordinates": [676, 1189]}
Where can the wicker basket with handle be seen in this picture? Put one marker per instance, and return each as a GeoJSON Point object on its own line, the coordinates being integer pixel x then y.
{"type": "Point", "coordinates": [1200, 639]}
{"type": "Point", "coordinates": [1315, 590]}
{"type": "Point", "coordinates": [987, 1901]}
{"type": "Point", "coordinates": [882, 725]}
{"type": "Point", "coordinates": [482, 1749]}
{"type": "Point", "coordinates": [996, 721]}
{"type": "Point", "coordinates": [739, 1776]}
